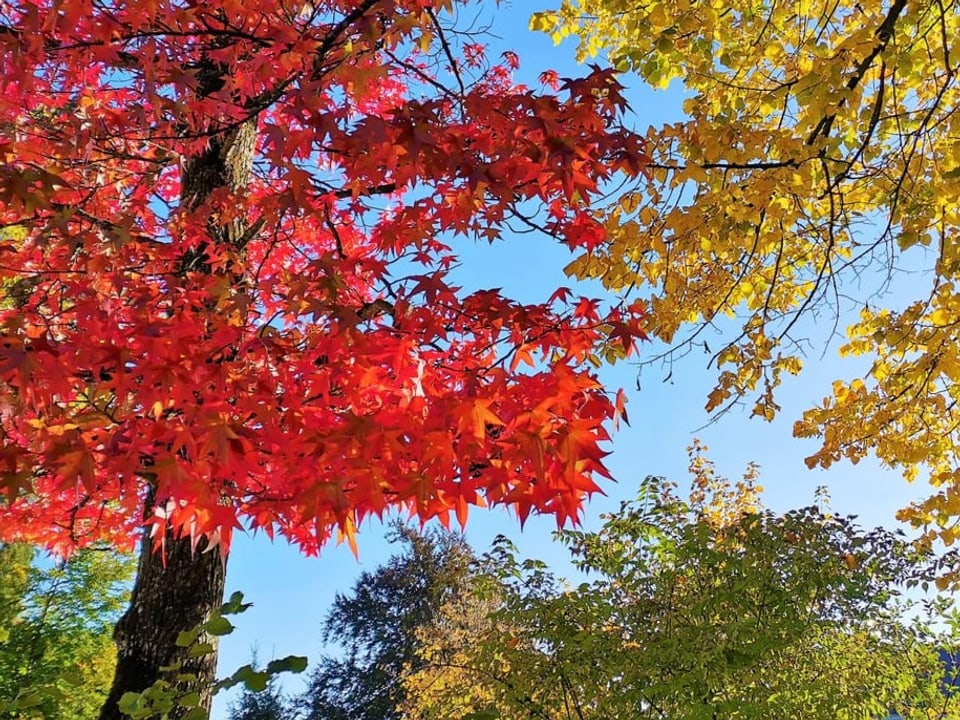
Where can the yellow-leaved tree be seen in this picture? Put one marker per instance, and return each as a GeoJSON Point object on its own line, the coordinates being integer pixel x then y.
{"type": "Point", "coordinates": [818, 163]}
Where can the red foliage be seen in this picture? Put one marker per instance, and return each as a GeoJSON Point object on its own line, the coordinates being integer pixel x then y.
{"type": "Point", "coordinates": [324, 368]}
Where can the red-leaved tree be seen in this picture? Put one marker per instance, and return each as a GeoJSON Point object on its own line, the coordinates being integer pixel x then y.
{"type": "Point", "coordinates": [227, 232]}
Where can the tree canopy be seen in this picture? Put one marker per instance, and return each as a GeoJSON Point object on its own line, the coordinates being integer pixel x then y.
{"type": "Point", "coordinates": [56, 622]}
{"type": "Point", "coordinates": [817, 166]}
{"type": "Point", "coordinates": [228, 303]}
{"type": "Point", "coordinates": [373, 631]}
{"type": "Point", "coordinates": [233, 280]}
{"type": "Point", "coordinates": [710, 607]}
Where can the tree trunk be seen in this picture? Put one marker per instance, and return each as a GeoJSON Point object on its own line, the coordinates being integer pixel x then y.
{"type": "Point", "coordinates": [166, 600]}
{"type": "Point", "coordinates": [180, 595]}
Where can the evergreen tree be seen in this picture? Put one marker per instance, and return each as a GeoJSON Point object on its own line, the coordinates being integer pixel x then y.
{"type": "Point", "coordinates": [268, 704]}
{"type": "Point", "coordinates": [375, 628]}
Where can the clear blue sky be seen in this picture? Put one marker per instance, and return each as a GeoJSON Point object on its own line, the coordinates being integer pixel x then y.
{"type": "Point", "coordinates": [291, 593]}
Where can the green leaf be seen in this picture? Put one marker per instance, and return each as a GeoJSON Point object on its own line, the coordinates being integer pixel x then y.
{"type": "Point", "coordinates": [191, 699]}
{"type": "Point", "coordinates": [257, 682]}
{"type": "Point", "coordinates": [218, 626]}
{"type": "Point", "coordinates": [201, 649]}
{"type": "Point", "coordinates": [254, 680]}
{"type": "Point", "coordinates": [236, 678]}
{"type": "Point", "coordinates": [235, 605]}
{"type": "Point", "coordinates": [131, 703]}
{"type": "Point", "coordinates": [186, 638]}
{"type": "Point", "coordinates": [291, 663]}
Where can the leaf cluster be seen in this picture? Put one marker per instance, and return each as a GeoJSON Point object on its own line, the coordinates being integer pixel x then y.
{"type": "Point", "coordinates": [684, 613]}
{"type": "Point", "coordinates": [815, 177]}
{"type": "Point", "coordinates": [178, 695]}
{"type": "Point", "coordinates": [236, 229]}
{"type": "Point", "coordinates": [56, 646]}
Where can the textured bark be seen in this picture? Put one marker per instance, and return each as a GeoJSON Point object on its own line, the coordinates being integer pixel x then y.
{"type": "Point", "coordinates": [166, 600]}
{"type": "Point", "coordinates": [180, 594]}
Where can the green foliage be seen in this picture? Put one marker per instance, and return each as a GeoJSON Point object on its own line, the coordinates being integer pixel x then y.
{"type": "Point", "coordinates": [376, 627]}
{"type": "Point", "coordinates": [179, 691]}
{"type": "Point", "coordinates": [15, 573]}
{"type": "Point", "coordinates": [267, 704]}
{"type": "Point", "coordinates": [56, 648]}
{"type": "Point", "coordinates": [696, 609]}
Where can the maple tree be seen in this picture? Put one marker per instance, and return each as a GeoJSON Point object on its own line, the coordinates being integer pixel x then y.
{"type": "Point", "coordinates": [227, 293]}
{"type": "Point", "coordinates": [817, 166]}
{"type": "Point", "coordinates": [706, 607]}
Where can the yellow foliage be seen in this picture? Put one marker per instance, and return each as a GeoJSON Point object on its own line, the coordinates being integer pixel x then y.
{"type": "Point", "coordinates": [715, 499]}
{"type": "Point", "coordinates": [444, 683]}
{"type": "Point", "coordinates": [822, 146]}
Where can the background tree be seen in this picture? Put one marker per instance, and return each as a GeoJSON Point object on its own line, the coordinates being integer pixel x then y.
{"type": "Point", "coordinates": [374, 629]}
{"type": "Point", "coordinates": [56, 620]}
{"type": "Point", "coordinates": [444, 677]}
{"type": "Point", "coordinates": [15, 562]}
{"type": "Point", "coordinates": [707, 608]}
{"type": "Point", "coordinates": [818, 166]}
{"type": "Point", "coordinates": [267, 704]}
{"type": "Point", "coordinates": [234, 306]}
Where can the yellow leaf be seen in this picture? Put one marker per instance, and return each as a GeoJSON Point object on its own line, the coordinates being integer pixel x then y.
{"type": "Point", "coordinates": [543, 21]}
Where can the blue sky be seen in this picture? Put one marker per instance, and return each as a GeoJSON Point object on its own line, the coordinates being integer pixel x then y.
{"type": "Point", "coordinates": [290, 593]}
